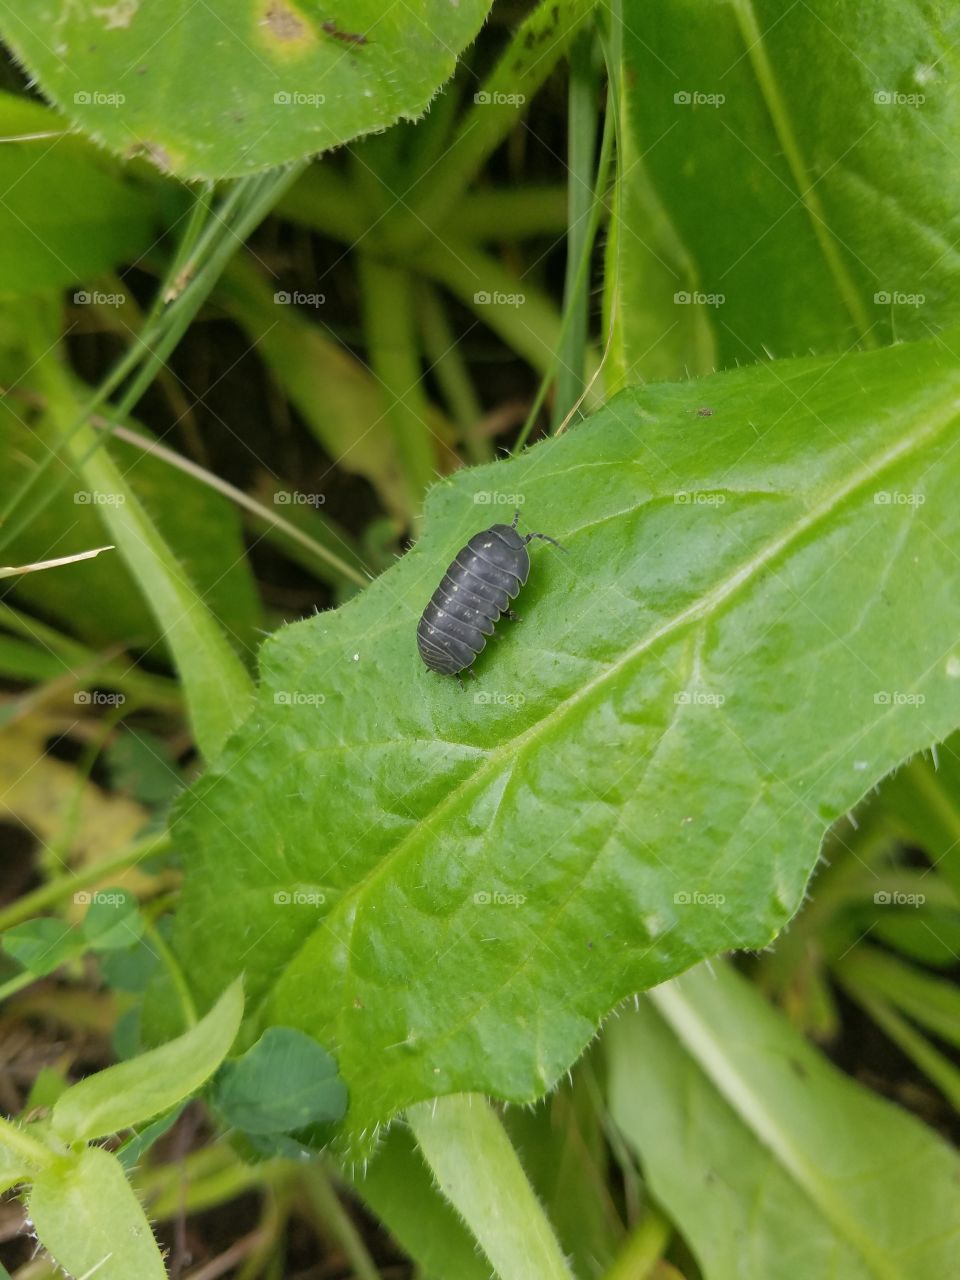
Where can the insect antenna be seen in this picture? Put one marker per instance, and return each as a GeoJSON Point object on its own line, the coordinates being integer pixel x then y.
{"type": "Point", "coordinates": [516, 518]}
{"type": "Point", "coordinates": [546, 538]}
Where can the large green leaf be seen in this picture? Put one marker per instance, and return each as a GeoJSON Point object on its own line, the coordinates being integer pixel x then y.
{"type": "Point", "coordinates": [47, 241]}
{"type": "Point", "coordinates": [224, 89]}
{"type": "Point", "coordinates": [795, 161]}
{"type": "Point", "coordinates": [771, 1162]}
{"type": "Point", "coordinates": [449, 888]}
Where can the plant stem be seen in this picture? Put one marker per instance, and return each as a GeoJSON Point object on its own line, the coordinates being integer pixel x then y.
{"type": "Point", "coordinates": [642, 1249]}
{"type": "Point", "coordinates": [332, 1214]}
{"type": "Point", "coordinates": [187, 1006]}
{"type": "Point", "coordinates": [32, 904]}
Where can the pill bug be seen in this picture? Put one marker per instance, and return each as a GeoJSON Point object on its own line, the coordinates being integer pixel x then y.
{"type": "Point", "coordinates": [476, 589]}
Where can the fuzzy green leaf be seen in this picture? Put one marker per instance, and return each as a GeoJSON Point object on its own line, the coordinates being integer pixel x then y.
{"type": "Point", "coordinates": [225, 89]}
{"type": "Point", "coordinates": [135, 1091]}
{"type": "Point", "coordinates": [86, 1215]}
{"type": "Point", "coordinates": [756, 620]}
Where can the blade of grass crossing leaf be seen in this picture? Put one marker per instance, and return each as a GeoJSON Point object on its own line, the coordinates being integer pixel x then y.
{"type": "Point", "coordinates": [217, 686]}
{"type": "Point", "coordinates": [477, 1169]}
{"type": "Point", "coordinates": [577, 288]}
{"type": "Point", "coordinates": [582, 116]}
{"type": "Point", "coordinates": [394, 357]}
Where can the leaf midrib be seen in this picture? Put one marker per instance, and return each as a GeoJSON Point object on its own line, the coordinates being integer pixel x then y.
{"type": "Point", "coordinates": [938, 419]}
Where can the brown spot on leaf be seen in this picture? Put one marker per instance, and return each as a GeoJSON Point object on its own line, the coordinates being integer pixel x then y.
{"type": "Point", "coordinates": [283, 22]}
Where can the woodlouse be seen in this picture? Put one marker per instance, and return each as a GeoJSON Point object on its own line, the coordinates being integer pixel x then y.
{"type": "Point", "coordinates": [476, 589]}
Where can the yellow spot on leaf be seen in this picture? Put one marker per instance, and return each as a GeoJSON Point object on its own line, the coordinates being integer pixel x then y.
{"type": "Point", "coordinates": [284, 28]}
